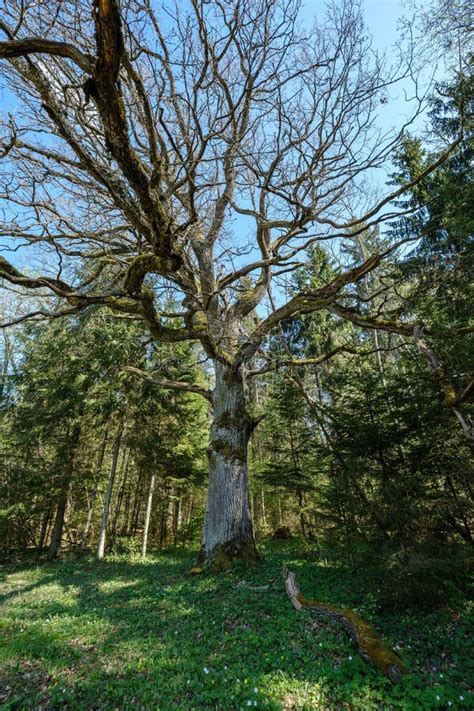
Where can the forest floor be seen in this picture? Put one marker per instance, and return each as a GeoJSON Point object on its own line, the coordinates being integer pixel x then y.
{"type": "Point", "coordinates": [127, 634]}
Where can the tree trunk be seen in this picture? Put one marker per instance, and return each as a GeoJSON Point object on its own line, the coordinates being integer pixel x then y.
{"type": "Point", "coordinates": [95, 493]}
{"type": "Point", "coordinates": [44, 528]}
{"type": "Point", "coordinates": [148, 516]}
{"type": "Point", "coordinates": [121, 493]}
{"type": "Point", "coordinates": [108, 495]}
{"type": "Point", "coordinates": [137, 505]}
{"type": "Point", "coordinates": [56, 537]}
{"type": "Point", "coordinates": [228, 529]}
{"type": "Point", "coordinates": [190, 511]}
{"type": "Point", "coordinates": [301, 504]}
{"type": "Point", "coordinates": [177, 515]}
{"type": "Point", "coordinates": [262, 508]}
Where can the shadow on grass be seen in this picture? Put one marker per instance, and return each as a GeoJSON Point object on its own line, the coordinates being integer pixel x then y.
{"type": "Point", "coordinates": [125, 634]}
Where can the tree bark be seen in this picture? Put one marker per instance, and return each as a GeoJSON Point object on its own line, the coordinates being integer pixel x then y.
{"type": "Point", "coordinates": [301, 504]}
{"type": "Point", "coordinates": [148, 516]}
{"type": "Point", "coordinates": [108, 495]}
{"type": "Point", "coordinates": [44, 528]}
{"type": "Point", "coordinates": [228, 528]}
{"type": "Point", "coordinates": [56, 537]}
{"type": "Point", "coordinates": [95, 493]}
{"type": "Point", "coordinates": [121, 494]}
{"type": "Point", "coordinates": [371, 647]}
{"type": "Point", "coordinates": [177, 514]}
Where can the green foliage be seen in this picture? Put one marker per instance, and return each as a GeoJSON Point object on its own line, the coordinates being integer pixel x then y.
{"type": "Point", "coordinates": [372, 437]}
{"type": "Point", "coordinates": [68, 394]}
{"type": "Point", "coordinates": [128, 634]}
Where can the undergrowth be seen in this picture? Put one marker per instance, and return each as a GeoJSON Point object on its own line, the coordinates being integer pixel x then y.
{"type": "Point", "coordinates": [127, 634]}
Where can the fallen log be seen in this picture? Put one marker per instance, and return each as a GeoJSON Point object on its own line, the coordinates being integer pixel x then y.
{"type": "Point", "coordinates": [371, 647]}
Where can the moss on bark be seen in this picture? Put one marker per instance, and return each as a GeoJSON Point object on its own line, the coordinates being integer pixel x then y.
{"type": "Point", "coordinates": [226, 554]}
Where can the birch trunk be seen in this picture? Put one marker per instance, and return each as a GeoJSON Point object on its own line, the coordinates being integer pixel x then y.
{"type": "Point", "coordinates": [228, 528]}
{"type": "Point", "coordinates": [108, 495]}
{"type": "Point", "coordinates": [148, 516]}
{"type": "Point", "coordinates": [95, 493]}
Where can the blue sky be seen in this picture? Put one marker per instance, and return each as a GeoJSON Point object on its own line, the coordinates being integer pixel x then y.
{"type": "Point", "coordinates": [382, 18]}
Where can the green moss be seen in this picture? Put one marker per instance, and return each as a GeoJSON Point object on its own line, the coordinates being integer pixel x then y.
{"type": "Point", "coordinates": [225, 556]}
{"type": "Point", "coordinates": [222, 561]}
{"type": "Point", "coordinates": [148, 263]}
{"type": "Point", "coordinates": [371, 646]}
{"type": "Point", "coordinates": [122, 303]}
{"type": "Point", "coordinates": [227, 451]}
{"type": "Point", "coordinates": [199, 321]}
{"type": "Point", "coordinates": [450, 394]}
{"type": "Point", "coordinates": [147, 293]}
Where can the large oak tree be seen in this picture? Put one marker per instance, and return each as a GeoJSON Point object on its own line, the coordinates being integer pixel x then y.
{"type": "Point", "coordinates": [198, 150]}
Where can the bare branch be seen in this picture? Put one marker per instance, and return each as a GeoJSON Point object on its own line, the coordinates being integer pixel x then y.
{"type": "Point", "coordinates": [170, 384]}
{"type": "Point", "coordinates": [37, 45]}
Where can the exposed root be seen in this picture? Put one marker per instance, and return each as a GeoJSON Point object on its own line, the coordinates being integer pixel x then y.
{"type": "Point", "coordinates": [370, 645]}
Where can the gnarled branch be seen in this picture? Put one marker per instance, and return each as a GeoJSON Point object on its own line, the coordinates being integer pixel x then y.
{"type": "Point", "coordinates": [370, 645]}
{"type": "Point", "coordinates": [37, 45]}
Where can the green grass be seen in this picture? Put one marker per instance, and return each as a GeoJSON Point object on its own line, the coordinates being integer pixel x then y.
{"type": "Point", "coordinates": [126, 634]}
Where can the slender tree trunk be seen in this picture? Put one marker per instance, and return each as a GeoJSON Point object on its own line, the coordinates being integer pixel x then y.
{"type": "Point", "coordinates": [301, 504]}
{"type": "Point", "coordinates": [108, 494]}
{"type": "Point", "coordinates": [262, 508]}
{"type": "Point", "coordinates": [56, 537]}
{"type": "Point", "coordinates": [3, 375]}
{"type": "Point", "coordinates": [87, 525]}
{"type": "Point", "coordinates": [148, 516]}
{"type": "Point", "coordinates": [121, 492]}
{"type": "Point", "coordinates": [228, 529]}
{"type": "Point", "coordinates": [177, 514]}
{"type": "Point", "coordinates": [44, 528]}
{"type": "Point", "coordinates": [164, 519]}
{"type": "Point", "coordinates": [170, 516]}
{"type": "Point", "coordinates": [137, 505]}
{"type": "Point", "coordinates": [90, 512]}
{"type": "Point", "coordinates": [189, 515]}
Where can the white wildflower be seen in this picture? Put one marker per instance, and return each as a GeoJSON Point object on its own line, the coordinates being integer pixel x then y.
{"type": "Point", "coordinates": [255, 690]}
{"type": "Point", "coordinates": [206, 670]}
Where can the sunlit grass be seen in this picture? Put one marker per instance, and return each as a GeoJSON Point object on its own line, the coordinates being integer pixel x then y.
{"type": "Point", "coordinates": [127, 634]}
